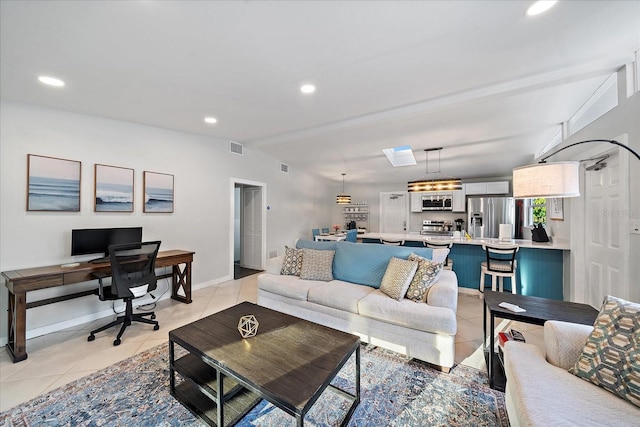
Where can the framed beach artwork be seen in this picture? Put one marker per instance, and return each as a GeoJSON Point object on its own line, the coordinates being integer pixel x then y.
{"type": "Point", "coordinates": [158, 192]}
{"type": "Point", "coordinates": [113, 189]}
{"type": "Point", "coordinates": [53, 184]}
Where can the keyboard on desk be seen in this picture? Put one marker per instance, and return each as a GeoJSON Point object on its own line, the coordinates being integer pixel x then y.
{"type": "Point", "coordinates": [106, 259]}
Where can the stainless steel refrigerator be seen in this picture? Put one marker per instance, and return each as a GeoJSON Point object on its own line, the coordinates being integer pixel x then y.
{"type": "Point", "coordinates": [485, 214]}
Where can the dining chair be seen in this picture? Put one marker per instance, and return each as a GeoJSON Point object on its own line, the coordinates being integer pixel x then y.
{"type": "Point", "coordinates": [352, 236]}
{"type": "Point", "coordinates": [501, 262]}
{"type": "Point", "coordinates": [448, 263]}
{"type": "Point", "coordinates": [392, 242]}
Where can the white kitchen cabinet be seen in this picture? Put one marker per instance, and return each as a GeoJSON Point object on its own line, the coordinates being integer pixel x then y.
{"type": "Point", "coordinates": [459, 202]}
{"type": "Point", "coordinates": [496, 187]}
{"type": "Point", "coordinates": [474, 188]}
{"type": "Point", "coordinates": [416, 202]}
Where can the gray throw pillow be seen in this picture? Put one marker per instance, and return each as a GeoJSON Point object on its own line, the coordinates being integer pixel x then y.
{"type": "Point", "coordinates": [397, 277]}
{"type": "Point", "coordinates": [317, 264]}
{"type": "Point", "coordinates": [427, 275]}
{"type": "Point", "coordinates": [292, 263]}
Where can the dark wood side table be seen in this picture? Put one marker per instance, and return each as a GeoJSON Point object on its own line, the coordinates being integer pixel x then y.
{"type": "Point", "coordinates": [539, 310]}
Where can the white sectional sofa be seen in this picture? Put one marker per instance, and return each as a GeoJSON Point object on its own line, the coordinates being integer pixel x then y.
{"type": "Point", "coordinates": [424, 331]}
{"type": "Point", "coordinates": [542, 392]}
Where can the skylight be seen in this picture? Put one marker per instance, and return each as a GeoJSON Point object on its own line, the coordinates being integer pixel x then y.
{"type": "Point", "coordinates": [400, 156]}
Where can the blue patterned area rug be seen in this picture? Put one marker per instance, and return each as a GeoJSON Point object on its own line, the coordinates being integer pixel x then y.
{"type": "Point", "coordinates": [395, 391]}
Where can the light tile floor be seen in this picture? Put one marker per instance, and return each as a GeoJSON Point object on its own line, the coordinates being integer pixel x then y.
{"type": "Point", "coordinates": [58, 358]}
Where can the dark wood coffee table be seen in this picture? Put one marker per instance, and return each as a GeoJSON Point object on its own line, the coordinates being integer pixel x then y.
{"type": "Point", "coordinates": [290, 363]}
{"type": "Point", "coordinates": [539, 310]}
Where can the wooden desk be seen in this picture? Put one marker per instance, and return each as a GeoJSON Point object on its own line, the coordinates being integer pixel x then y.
{"type": "Point", "coordinates": [19, 282]}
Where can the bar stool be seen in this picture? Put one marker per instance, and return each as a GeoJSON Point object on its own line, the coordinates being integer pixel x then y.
{"type": "Point", "coordinates": [391, 242]}
{"type": "Point", "coordinates": [448, 263]}
{"type": "Point", "coordinates": [501, 262]}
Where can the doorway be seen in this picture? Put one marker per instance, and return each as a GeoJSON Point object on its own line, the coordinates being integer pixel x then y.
{"type": "Point", "coordinates": [394, 212]}
{"type": "Point", "coordinates": [607, 242]}
{"type": "Point", "coordinates": [248, 241]}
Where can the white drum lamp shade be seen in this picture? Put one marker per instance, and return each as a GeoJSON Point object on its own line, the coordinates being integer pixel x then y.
{"type": "Point", "coordinates": [557, 179]}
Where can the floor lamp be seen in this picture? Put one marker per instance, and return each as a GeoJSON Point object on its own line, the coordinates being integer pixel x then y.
{"type": "Point", "coordinates": [555, 179]}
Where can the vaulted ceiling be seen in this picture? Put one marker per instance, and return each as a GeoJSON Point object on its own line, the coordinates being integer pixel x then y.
{"type": "Point", "coordinates": [479, 78]}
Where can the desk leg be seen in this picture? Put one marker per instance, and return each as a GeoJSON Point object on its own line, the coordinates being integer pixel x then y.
{"type": "Point", "coordinates": [17, 326]}
{"type": "Point", "coordinates": [181, 278]}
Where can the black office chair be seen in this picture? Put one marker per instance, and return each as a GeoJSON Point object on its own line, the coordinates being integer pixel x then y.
{"type": "Point", "coordinates": [132, 276]}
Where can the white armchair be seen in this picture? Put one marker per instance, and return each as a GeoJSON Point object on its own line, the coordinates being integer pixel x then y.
{"type": "Point", "coordinates": [540, 391]}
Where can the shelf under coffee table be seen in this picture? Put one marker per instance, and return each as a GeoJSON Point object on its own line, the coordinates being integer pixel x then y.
{"type": "Point", "coordinates": [290, 362]}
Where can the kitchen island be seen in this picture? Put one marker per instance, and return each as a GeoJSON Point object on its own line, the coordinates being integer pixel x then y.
{"type": "Point", "coordinates": [540, 265]}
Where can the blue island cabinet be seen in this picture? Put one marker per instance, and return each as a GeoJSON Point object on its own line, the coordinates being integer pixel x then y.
{"type": "Point", "coordinates": [539, 271]}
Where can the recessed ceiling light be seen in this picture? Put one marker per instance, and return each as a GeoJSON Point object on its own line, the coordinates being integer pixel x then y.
{"type": "Point", "coordinates": [51, 81]}
{"type": "Point", "coordinates": [540, 6]}
{"type": "Point", "coordinates": [210, 120]}
{"type": "Point", "coordinates": [307, 88]}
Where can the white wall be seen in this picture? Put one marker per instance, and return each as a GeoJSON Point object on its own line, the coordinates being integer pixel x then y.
{"type": "Point", "coordinates": [202, 168]}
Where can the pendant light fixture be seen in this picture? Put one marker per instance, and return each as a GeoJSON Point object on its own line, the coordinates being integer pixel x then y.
{"type": "Point", "coordinates": [343, 198]}
{"type": "Point", "coordinates": [423, 185]}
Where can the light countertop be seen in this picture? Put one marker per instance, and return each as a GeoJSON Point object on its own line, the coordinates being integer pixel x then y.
{"type": "Point", "coordinates": [416, 237]}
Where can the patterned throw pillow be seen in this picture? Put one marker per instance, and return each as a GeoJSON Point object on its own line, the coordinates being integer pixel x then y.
{"type": "Point", "coordinates": [317, 264]}
{"type": "Point", "coordinates": [611, 356]}
{"type": "Point", "coordinates": [397, 277]}
{"type": "Point", "coordinates": [426, 275]}
{"type": "Point", "coordinates": [292, 263]}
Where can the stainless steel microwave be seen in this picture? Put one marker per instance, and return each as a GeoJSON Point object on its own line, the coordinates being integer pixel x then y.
{"type": "Point", "coordinates": [437, 202]}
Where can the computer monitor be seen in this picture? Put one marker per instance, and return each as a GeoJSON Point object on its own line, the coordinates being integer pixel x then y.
{"type": "Point", "coordinates": [90, 241]}
{"type": "Point", "coordinates": [125, 235]}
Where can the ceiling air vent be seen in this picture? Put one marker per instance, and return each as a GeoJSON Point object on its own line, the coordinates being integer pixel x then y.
{"type": "Point", "coordinates": [284, 168]}
{"type": "Point", "coordinates": [235, 147]}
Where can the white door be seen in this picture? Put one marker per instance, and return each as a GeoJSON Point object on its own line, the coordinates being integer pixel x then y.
{"type": "Point", "coordinates": [251, 248]}
{"type": "Point", "coordinates": [607, 225]}
{"type": "Point", "coordinates": [393, 212]}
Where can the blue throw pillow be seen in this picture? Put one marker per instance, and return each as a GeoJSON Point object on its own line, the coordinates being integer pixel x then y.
{"type": "Point", "coordinates": [366, 263]}
{"type": "Point", "coordinates": [312, 244]}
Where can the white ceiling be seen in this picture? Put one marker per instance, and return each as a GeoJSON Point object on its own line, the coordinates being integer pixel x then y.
{"type": "Point", "coordinates": [478, 78]}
